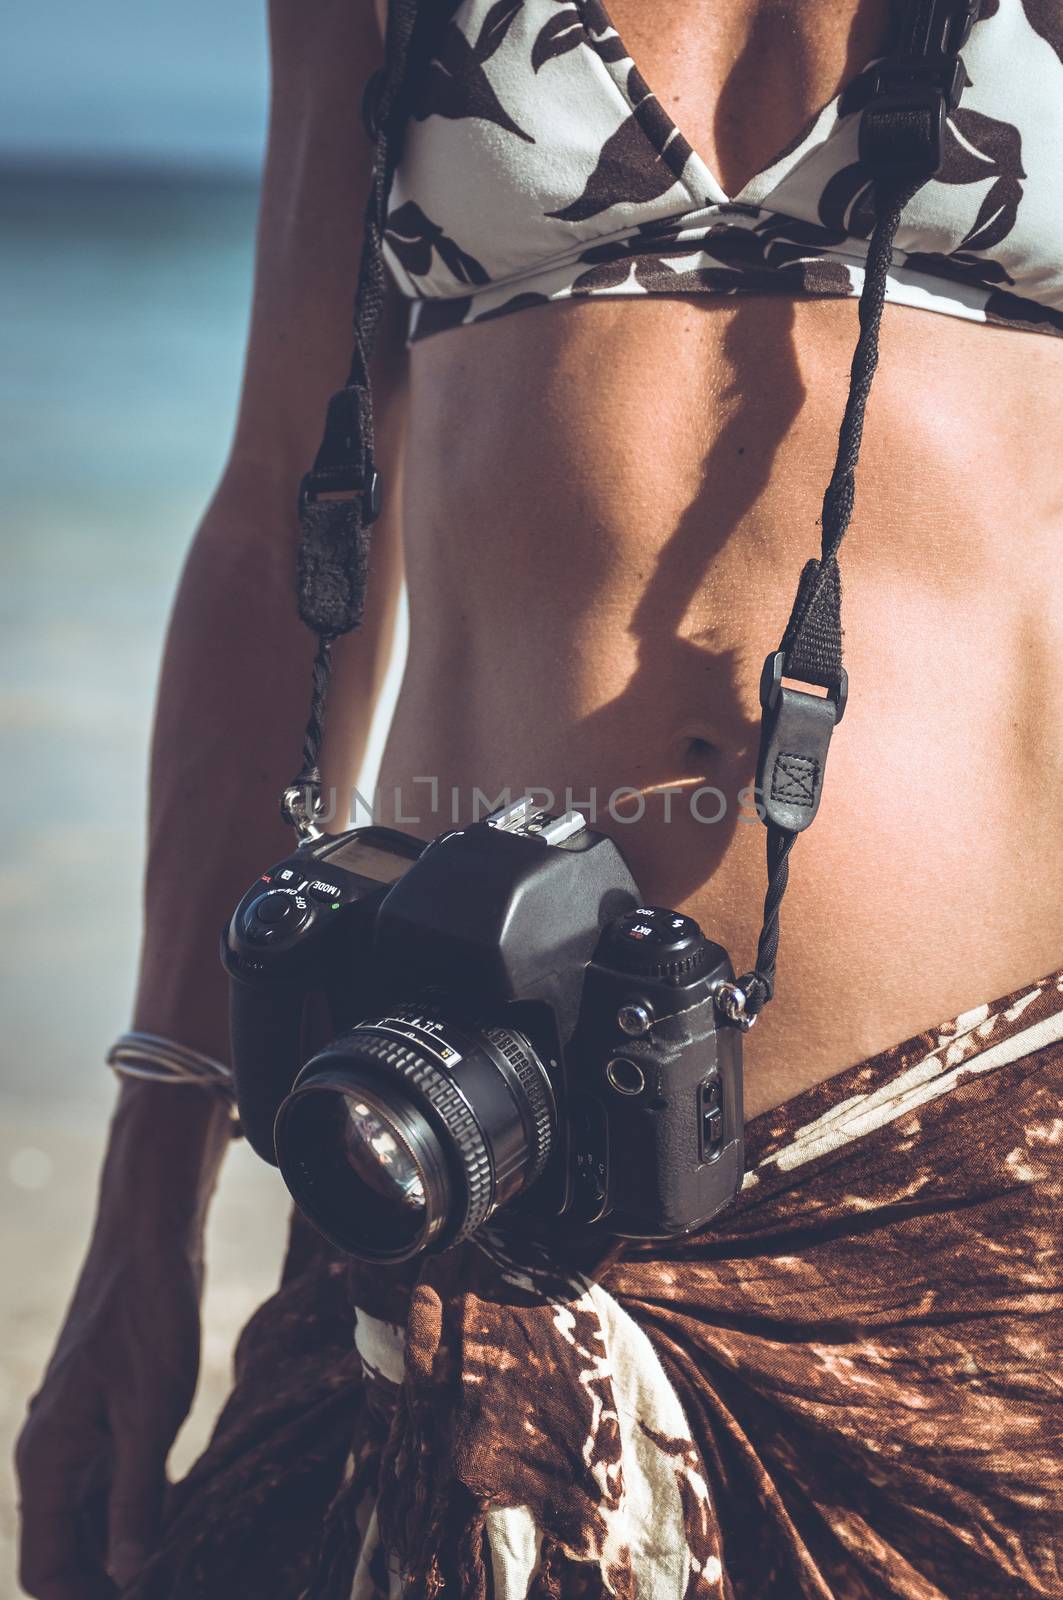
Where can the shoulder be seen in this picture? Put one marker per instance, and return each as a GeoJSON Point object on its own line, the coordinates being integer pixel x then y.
{"type": "Point", "coordinates": [314, 185]}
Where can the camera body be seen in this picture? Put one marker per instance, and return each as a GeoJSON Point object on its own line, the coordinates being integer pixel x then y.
{"type": "Point", "coordinates": [510, 1026]}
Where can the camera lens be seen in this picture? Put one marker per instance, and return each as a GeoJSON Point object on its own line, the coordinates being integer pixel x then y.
{"type": "Point", "coordinates": [366, 1169]}
{"type": "Point", "coordinates": [376, 1156]}
{"type": "Point", "coordinates": [406, 1133]}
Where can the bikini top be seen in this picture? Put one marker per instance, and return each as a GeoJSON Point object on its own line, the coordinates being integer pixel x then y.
{"type": "Point", "coordinates": [538, 165]}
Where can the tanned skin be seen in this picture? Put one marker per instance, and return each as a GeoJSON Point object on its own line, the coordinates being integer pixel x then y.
{"type": "Point", "coordinates": [602, 509]}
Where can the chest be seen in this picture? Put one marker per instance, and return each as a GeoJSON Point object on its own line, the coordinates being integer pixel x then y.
{"type": "Point", "coordinates": [743, 79]}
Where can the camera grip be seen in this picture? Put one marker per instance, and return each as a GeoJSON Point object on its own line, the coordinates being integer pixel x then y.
{"type": "Point", "coordinates": [265, 1027]}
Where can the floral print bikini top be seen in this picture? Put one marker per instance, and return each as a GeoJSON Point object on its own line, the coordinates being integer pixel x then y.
{"type": "Point", "coordinates": [538, 165]}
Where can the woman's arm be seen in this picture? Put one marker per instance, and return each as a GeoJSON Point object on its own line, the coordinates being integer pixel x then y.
{"type": "Point", "coordinates": [231, 707]}
{"type": "Point", "coordinates": [236, 675]}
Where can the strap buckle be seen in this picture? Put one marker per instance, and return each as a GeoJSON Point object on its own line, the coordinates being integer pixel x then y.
{"type": "Point", "coordinates": [300, 808]}
{"type": "Point", "coordinates": [902, 127]}
{"type": "Point", "coordinates": [344, 464]}
{"type": "Point", "coordinates": [344, 482]}
{"type": "Point", "coordinates": [771, 686]}
{"type": "Point", "coordinates": [795, 737]}
{"type": "Point", "coordinates": [733, 1001]}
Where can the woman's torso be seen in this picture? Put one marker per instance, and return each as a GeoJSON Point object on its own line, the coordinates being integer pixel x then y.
{"type": "Point", "coordinates": [607, 505]}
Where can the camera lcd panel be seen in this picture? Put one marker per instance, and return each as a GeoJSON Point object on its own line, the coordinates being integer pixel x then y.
{"type": "Point", "coordinates": [369, 860]}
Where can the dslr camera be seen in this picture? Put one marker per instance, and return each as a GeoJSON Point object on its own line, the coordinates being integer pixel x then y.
{"type": "Point", "coordinates": [507, 1025]}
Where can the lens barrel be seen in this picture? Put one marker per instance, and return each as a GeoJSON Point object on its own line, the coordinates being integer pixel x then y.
{"type": "Point", "coordinates": [407, 1132]}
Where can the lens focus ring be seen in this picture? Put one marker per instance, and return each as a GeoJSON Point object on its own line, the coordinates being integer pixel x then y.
{"type": "Point", "coordinates": [432, 1084]}
{"type": "Point", "coordinates": [530, 1078]}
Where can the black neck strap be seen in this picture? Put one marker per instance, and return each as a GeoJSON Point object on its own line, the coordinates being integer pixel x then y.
{"type": "Point", "coordinates": [902, 131]}
{"type": "Point", "coordinates": [901, 143]}
{"type": "Point", "coordinates": [339, 498]}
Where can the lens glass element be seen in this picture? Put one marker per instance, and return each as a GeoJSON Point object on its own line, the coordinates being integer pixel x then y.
{"type": "Point", "coordinates": [364, 1165]}
{"type": "Point", "coordinates": [384, 1164]}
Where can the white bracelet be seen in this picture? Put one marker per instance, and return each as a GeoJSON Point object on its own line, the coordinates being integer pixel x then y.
{"type": "Point", "coordinates": [154, 1059]}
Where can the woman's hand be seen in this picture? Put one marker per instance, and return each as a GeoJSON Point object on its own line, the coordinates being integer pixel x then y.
{"type": "Point", "coordinates": [91, 1458]}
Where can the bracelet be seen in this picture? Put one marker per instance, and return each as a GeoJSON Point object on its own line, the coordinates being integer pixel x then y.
{"type": "Point", "coordinates": [155, 1059]}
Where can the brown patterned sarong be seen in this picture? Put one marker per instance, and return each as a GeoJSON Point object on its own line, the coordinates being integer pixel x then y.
{"type": "Point", "coordinates": [849, 1387]}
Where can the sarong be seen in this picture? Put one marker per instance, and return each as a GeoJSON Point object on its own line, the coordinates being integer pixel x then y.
{"type": "Point", "coordinates": [848, 1387]}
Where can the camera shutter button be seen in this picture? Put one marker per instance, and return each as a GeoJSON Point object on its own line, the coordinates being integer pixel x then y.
{"type": "Point", "coordinates": [276, 915]}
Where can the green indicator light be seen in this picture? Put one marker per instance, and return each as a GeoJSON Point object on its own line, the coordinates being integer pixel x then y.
{"type": "Point", "coordinates": [335, 905]}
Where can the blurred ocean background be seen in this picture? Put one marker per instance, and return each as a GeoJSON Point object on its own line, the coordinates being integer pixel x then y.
{"type": "Point", "coordinates": [130, 141]}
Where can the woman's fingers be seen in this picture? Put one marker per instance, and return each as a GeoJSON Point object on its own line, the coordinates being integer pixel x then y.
{"type": "Point", "coordinates": [91, 1458]}
{"type": "Point", "coordinates": [134, 1509]}
{"type": "Point", "coordinates": [92, 1493]}
{"type": "Point", "coordinates": [60, 1464]}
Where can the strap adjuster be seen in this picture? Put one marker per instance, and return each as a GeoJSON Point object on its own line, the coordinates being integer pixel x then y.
{"type": "Point", "coordinates": [771, 685]}
{"type": "Point", "coordinates": [902, 127]}
{"type": "Point", "coordinates": [339, 481]}
{"type": "Point", "coordinates": [344, 465]}
{"type": "Point", "coordinates": [911, 81]}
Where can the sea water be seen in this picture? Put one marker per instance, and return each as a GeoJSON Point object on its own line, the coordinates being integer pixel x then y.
{"type": "Point", "coordinates": [125, 301]}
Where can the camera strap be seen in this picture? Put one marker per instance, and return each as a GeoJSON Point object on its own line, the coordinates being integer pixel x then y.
{"type": "Point", "coordinates": [901, 143]}
{"type": "Point", "coordinates": [339, 498]}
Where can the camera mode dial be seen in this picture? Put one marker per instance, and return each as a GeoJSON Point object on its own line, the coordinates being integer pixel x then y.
{"type": "Point", "coordinates": [658, 943]}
